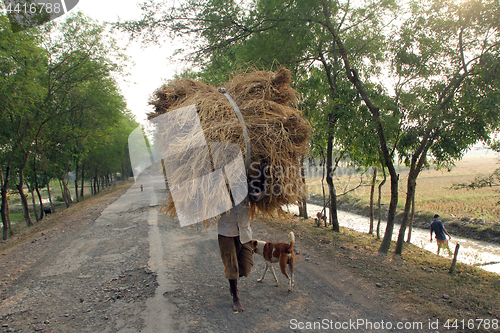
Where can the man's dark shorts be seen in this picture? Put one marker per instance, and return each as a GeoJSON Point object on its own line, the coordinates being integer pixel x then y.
{"type": "Point", "coordinates": [237, 257]}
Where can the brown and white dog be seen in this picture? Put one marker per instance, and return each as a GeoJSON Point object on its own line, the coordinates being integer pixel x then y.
{"type": "Point", "coordinates": [277, 252]}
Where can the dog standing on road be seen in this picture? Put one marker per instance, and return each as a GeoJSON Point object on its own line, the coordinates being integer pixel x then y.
{"type": "Point", "coordinates": [277, 252]}
{"type": "Point", "coordinates": [47, 210]}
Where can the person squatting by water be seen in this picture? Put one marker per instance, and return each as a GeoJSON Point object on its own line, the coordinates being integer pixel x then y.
{"type": "Point", "coordinates": [438, 228]}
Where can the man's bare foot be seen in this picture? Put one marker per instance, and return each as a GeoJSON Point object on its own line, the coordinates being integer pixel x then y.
{"type": "Point", "coordinates": [237, 306]}
{"type": "Point", "coordinates": [233, 288]}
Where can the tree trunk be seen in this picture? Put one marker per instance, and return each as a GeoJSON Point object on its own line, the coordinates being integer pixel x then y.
{"type": "Point", "coordinates": [412, 177]}
{"type": "Point", "coordinates": [331, 75]}
{"type": "Point", "coordinates": [61, 188]}
{"type": "Point", "coordinates": [372, 191]}
{"type": "Point", "coordinates": [303, 206]}
{"type": "Point", "coordinates": [95, 185]}
{"type": "Point", "coordinates": [34, 205]}
{"type": "Point", "coordinates": [379, 199]}
{"type": "Point", "coordinates": [76, 182]}
{"type": "Point", "coordinates": [4, 209]}
{"type": "Point", "coordinates": [24, 201]}
{"type": "Point", "coordinates": [40, 200]}
{"type": "Point", "coordinates": [386, 241]}
{"type": "Point", "coordinates": [333, 210]}
{"type": "Point", "coordinates": [334, 220]}
{"type": "Point", "coordinates": [323, 166]}
{"type": "Point", "coordinates": [32, 191]}
{"type": "Point", "coordinates": [48, 192]}
{"type": "Point", "coordinates": [83, 180]}
{"type": "Point", "coordinates": [66, 194]}
{"type": "Point", "coordinates": [37, 189]}
{"type": "Point", "coordinates": [412, 216]}
{"type": "Point", "coordinates": [417, 161]}
{"type": "Point", "coordinates": [9, 222]}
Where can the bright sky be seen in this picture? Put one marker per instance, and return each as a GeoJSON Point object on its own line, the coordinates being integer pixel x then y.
{"type": "Point", "coordinates": [151, 67]}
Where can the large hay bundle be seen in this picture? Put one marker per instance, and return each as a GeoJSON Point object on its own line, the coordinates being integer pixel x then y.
{"type": "Point", "coordinates": [278, 132]}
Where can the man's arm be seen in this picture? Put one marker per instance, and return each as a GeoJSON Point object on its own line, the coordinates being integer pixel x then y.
{"type": "Point", "coordinates": [446, 232]}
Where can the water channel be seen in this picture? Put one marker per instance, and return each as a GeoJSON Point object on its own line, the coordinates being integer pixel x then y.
{"type": "Point", "coordinates": [478, 253]}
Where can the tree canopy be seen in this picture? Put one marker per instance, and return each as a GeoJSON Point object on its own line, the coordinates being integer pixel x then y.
{"type": "Point", "coordinates": [421, 76]}
{"type": "Point", "coordinates": [60, 106]}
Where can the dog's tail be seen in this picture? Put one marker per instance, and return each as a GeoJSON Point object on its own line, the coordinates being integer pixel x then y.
{"type": "Point", "coordinates": [292, 239]}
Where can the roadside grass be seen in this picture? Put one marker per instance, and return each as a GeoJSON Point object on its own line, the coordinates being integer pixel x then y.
{"type": "Point", "coordinates": [434, 193]}
{"type": "Point", "coordinates": [16, 214]}
{"type": "Point", "coordinates": [417, 278]}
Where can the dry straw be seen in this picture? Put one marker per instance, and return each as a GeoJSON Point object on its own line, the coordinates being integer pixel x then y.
{"type": "Point", "coordinates": [278, 132]}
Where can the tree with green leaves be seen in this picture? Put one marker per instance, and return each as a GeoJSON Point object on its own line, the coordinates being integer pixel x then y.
{"type": "Point", "coordinates": [22, 66]}
{"type": "Point", "coordinates": [108, 151]}
{"type": "Point", "coordinates": [443, 55]}
{"type": "Point", "coordinates": [290, 33]}
{"type": "Point", "coordinates": [329, 21]}
{"type": "Point", "coordinates": [51, 76]}
{"type": "Point", "coordinates": [447, 60]}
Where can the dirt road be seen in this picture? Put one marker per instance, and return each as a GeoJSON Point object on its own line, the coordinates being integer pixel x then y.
{"type": "Point", "coordinates": [121, 266]}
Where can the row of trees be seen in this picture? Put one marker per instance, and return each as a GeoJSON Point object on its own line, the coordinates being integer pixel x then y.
{"type": "Point", "coordinates": [60, 110]}
{"type": "Point", "coordinates": [380, 80]}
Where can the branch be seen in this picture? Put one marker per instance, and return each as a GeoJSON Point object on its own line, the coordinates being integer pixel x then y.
{"type": "Point", "coordinates": [461, 48]}
{"type": "Point", "coordinates": [353, 189]}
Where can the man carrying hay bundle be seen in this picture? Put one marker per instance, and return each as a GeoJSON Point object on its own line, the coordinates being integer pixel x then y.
{"type": "Point", "coordinates": [249, 130]}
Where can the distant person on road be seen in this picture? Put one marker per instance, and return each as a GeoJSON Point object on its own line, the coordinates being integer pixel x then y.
{"type": "Point", "coordinates": [438, 228]}
{"type": "Point", "coordinates": [235, 235]}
